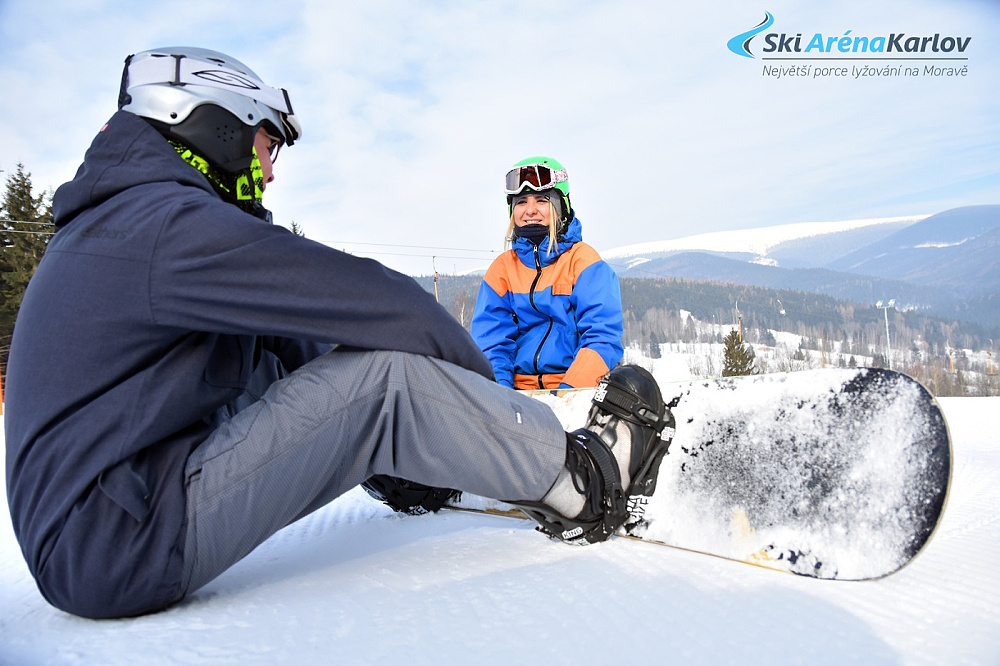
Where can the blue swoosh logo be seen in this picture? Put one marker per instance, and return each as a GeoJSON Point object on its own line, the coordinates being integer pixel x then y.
{"type": "Point", "coordinates": [740, 44]}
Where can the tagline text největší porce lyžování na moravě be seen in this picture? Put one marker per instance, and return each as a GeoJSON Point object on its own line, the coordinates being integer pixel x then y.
{"type": "Point", "coordinates": [860, 71]}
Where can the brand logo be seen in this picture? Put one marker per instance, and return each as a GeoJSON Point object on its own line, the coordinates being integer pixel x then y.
{"type": "Point", "coordinates": [228, 78]}
{"type": "Point", "coordinates": [849, 46]}
{"type": "Point", "coordinates": [740, 44]}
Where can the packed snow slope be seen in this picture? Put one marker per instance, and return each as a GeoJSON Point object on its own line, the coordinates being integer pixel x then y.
{"type": "Point", "coordinates": [355, 584]}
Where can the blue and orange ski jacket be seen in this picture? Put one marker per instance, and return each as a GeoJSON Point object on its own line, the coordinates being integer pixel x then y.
{"type": "Point", "coordinates": [550, 320]}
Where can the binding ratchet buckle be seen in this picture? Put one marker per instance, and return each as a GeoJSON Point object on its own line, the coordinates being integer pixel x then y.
{"type": "Point", "coordinates": [627, 404]}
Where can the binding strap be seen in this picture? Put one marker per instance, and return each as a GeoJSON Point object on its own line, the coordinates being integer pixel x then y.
{"type": "Point", "coordinates": [626, 404]}
{"type": "Point", "coordinates": [591, 461]}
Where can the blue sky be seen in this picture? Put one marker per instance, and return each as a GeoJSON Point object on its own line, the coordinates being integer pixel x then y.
{"type": "Point", "coordinates": [413, 112]}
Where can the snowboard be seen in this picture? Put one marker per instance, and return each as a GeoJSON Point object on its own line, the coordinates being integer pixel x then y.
{"type": "Point", "coordinates": [833, 474]}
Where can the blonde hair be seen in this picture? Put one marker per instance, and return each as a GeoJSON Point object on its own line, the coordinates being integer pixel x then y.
{"type": "Point", "coordinates": [554, 223]}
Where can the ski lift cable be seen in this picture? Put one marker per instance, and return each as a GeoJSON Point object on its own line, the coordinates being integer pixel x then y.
{"type": "Point", "coordinates": [416, 247]}
{"type": "Point", "coordinates": [368, 253]}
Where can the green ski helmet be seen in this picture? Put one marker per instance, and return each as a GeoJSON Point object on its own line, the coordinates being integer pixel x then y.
{"type": "Point", "coordinates": [544, 175]}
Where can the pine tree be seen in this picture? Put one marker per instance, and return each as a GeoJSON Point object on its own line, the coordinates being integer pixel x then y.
{"type": "Point", "coordinates": [738, 358]}
{"type": "Point", "coordinates": [654, 345]}
{"type": "Point", "coordinates": [25, 227]}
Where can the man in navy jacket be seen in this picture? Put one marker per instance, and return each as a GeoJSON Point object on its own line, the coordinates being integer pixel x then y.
{"type": "Point", "coordinates": [172, 396]}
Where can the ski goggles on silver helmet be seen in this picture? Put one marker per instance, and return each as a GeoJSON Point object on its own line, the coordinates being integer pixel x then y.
{"type": "Point", "coordinates": [536, 176]}
{"type": "Point", "coordinates": [168, 84]}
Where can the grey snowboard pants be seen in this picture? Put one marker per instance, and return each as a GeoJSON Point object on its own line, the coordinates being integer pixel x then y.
{"type": "Point", "coordinates": [343, 418]}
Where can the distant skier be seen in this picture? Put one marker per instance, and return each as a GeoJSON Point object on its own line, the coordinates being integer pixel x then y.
{"type": "Point", "coordinates": [150, 441]}
{"type": "Point", "coordinates": [549, 310]}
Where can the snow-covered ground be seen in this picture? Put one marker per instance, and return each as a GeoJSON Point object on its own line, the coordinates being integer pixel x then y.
{"type": "Point", "coordinates": [355, 584]}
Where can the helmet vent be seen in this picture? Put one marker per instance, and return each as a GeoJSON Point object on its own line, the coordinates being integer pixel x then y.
{"type": "Point", "coordinates": [227, 133]}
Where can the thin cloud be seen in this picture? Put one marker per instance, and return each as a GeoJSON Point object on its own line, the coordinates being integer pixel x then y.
{"type": "Point", "coordinates": [413, 111]}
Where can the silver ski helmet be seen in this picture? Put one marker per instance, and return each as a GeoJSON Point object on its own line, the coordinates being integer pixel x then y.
{"type": "Point", "coordinates": [208, 101]}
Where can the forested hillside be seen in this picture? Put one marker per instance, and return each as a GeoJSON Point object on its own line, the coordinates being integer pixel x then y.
{"type": "Point", "coordinates": [668, 310]}
{"type": "Point", "coordinates": [655, 305]}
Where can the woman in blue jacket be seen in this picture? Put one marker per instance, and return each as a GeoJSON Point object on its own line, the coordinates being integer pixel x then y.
{"type": "Point", "coordinates": [549, 312]}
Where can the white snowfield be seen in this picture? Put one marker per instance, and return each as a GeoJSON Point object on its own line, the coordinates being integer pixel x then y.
{"type": "Point", "coordinates": [355, 584]}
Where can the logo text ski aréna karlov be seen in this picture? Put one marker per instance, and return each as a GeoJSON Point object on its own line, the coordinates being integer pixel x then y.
{"type": "Point", "coordinates": [792, 46]}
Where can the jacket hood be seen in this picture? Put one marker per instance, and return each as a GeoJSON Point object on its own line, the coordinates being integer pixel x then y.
{"type": "Point", "coordinates": [526, 251]}
{"type": "Point", "coordinates": [126, 152]}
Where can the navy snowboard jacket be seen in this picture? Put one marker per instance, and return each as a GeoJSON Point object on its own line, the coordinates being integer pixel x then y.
{"type": "Point", "coordinates": [147, 313]}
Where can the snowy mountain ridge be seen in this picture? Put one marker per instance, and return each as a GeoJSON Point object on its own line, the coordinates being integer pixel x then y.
{"type": "Point", "coordinates": [945, 264]}
{"type": "Point", "coordinates": [759, 241]}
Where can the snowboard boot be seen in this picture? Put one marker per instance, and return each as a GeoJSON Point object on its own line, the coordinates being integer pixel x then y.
{"type": "Point", "coordinates": [407, 496]}
{"type": "Point", "coordinates": [615, 456]}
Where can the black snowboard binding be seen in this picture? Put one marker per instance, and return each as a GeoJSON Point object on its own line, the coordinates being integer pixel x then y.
{"type": "Point", "coordinates": [617, 455]}
{"type": "Point", "coordinates": [405, 496]}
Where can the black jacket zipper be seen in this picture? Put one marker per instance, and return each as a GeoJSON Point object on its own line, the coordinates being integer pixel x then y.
{"type": "Point", "coordinates": [531, 298]}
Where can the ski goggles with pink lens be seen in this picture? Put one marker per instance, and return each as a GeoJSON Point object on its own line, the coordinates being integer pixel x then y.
{"type": "Point", "coordinates": [538, 176]}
